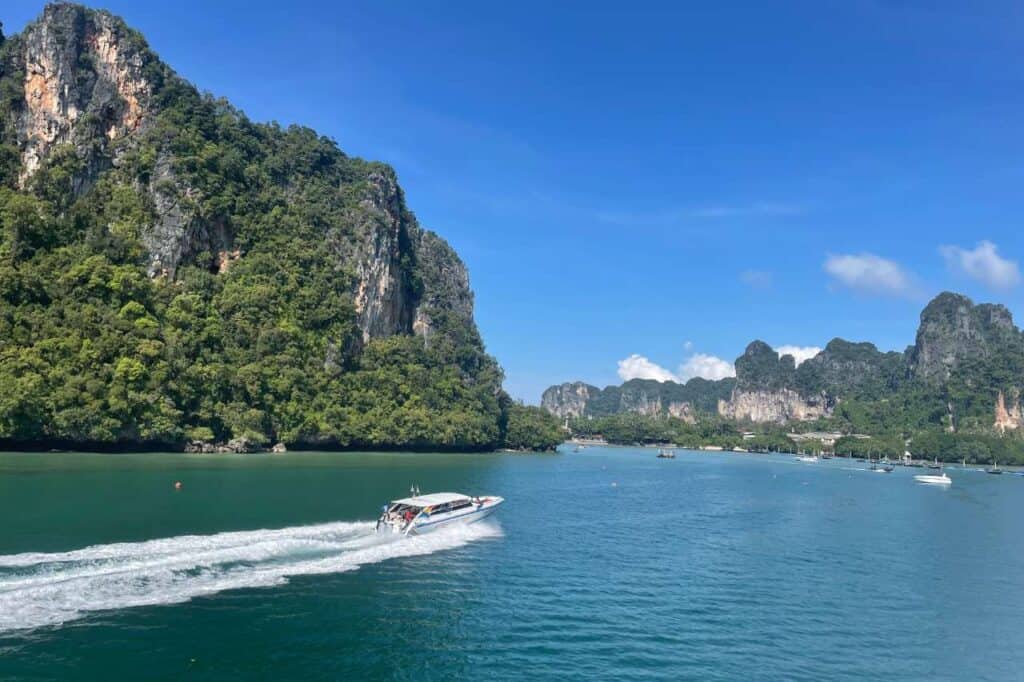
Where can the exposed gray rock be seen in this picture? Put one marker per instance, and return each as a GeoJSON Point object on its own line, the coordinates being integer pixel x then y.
{"type": "Point", "coordinates": [85, 86]}
{"type": "Point", "coordinates": [779, 406]}
{"type": "Point", "coordinates": [569, 399]}
{"type": "Point", "coordinates": [92, 84]}
{"type": "Point", "coordinates": [637, 396]}
{"type": "Point", "coordinates": [953, 331]}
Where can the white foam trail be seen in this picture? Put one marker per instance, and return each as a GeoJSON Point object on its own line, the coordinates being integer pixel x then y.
{"type": "Point", "coordinates": [38, 589]}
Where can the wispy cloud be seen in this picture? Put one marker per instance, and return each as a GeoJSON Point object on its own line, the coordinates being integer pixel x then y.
{"type": "Point", "coordinates": [984, 264]}
{"type": "Point", "coordinates": [870, 274]}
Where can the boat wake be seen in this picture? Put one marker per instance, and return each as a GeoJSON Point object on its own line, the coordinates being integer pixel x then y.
{"type": "Point", "coordinates": [38, 589]}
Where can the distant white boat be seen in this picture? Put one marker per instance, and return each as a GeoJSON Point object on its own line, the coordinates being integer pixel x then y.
{"type": "Point", "coordinates": [931, 479]}
{"type": "Point", "coordinates": [807, 458]}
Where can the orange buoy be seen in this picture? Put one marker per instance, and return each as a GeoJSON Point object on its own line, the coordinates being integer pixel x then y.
{"type": "Point", "coordinates": [177, 485]}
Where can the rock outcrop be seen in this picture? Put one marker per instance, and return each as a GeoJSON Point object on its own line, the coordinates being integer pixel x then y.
{"type": "Point", "coordinates": [954, 331]}
{"type": "Point", "coordinates": [85, 85]}
{"type": "Point", "coordinates": [243, 277]}
{"type": "Point", "coordinates": [568, 399]}
{"type": "Point", "coordinates": [765, 390]}
{"type": "Point", "coordinates": [92, 86]}
{"type": "Point", "coordinates": [779, 406]}
{"type": "Point", "coordinates": [1008, 418]}
{"type": "Point", "coordinates": [972, 351]}
{"type": "Point", "coordinates": [638, 396]}
{"type": "Point", "coordinates": [845, 368]}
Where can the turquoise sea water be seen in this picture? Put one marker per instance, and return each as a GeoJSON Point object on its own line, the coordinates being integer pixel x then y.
{"type": "Point", "coordinates": [606, 564]}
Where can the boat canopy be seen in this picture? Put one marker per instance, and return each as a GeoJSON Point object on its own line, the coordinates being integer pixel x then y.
{"type": "Point", "coordinates": [431, 500]}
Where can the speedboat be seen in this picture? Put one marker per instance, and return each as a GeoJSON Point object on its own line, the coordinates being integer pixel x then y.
{"type": "Point", "coordinates": [666, 454]}
{"type": "Point", "coordinates": [807, 458]}
{"type": "Point", "coordinates": [424, 513]}
{"type": "Point", "coordinates": [882, 468]}
{"type": "Point", "coordinates": [941, 479]}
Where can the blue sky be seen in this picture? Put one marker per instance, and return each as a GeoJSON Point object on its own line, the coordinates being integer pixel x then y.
{"type": "Point", "coordinates": [640, 189]}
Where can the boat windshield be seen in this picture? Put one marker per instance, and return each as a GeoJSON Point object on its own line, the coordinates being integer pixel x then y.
{"type": "Point", "coordinates": [399, 515]}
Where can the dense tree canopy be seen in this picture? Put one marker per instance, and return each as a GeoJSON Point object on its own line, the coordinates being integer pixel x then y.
{"type": "Point", "coordinates": [258, 340]}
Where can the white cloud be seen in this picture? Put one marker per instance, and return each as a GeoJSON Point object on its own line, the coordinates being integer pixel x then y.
{"type": "Point", "coordinates": [707, 367]}
{"type": "Point", "coordinates": [638, 367]}
{"type": "Point", "coordinates": [702, 365]}
{"type": "Point", "coordinates": [800, 353]}
{"type": "Point", "coordinates": [870, 274]}
{"type": "Point", "coordinates": [983, 264]}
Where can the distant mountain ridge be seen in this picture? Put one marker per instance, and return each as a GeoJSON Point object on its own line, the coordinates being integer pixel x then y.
{"type": "Point", "coordinates": [640, 396]}
{"type": "Point", "coordinates": [965, 369]}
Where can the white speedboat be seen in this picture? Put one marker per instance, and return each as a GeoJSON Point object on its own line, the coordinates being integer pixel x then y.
{"type": "Point", "coordinates": [425, 513]}
{"type": "Point", "coordinates": [941, 479]}
{"type": "Point", "coordinates": [807, 458]}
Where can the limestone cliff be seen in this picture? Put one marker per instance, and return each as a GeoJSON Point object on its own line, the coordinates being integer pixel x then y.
{"type": "Point", "coordinates": [96, 102]}
{"type": "Point", "coordinates": [568, 399]}
{"type": "Point", "coordinates": [1008, 418]}
{"type": "Point", "coordinates": [765, 390]}
{"type": "Point", "coordinates": [779, 406]}
{"type": "Point", "coordinates": [85, 84]}
{"type": "Point", "coordinates": [954, 331]}
{"type": "Point", "coordinates": [967, 363]}
{"type": "Point", "coordinates": [638, 396]}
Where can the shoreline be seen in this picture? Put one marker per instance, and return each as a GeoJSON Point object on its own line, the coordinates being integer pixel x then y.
{"type": "Point", "coordinates": [156, 451]}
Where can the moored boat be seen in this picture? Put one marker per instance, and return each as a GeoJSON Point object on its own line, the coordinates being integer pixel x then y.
{"type": "Point", "coordinates": [424, 513]}
{"type": "Point", "coordinates": [881, 467]}
{"type": "Point", "coordinates": [666, 454]}
{"type": "Point", "coordinates": [995, 469]}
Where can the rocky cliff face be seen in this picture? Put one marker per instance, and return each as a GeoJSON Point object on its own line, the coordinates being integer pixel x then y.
{"type": "Point", "coordinates": [568, 399]}
{"type": "Point", "coordinates": [92, 90]}
{"type": "Point", "coordinates": [844, 368]}
{"type": "Point", "coordinates": [84, 84]}
{"type": "Point", "coordinates": [1008, 418]}
{"type": "Point", "coordinates": [967, 362]}
{"type": "Point", "coordinates": [954, 331]}
{"type": "Point", "coordinates": [638, 396]}
{"type": "Point", "coordinates": [765, 390]}
{"type": "Point", "coordinates": [779, 406]}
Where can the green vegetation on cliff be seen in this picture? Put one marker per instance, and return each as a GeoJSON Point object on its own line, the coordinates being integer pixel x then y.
{"type": "Point", "coordinates": [532, 428]}
{"type": "Point", "coordinates": [194, 276]}
{"type": "Point", "coordinates": [630, 429]}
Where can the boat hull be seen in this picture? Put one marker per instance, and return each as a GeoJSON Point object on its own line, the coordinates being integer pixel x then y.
{"type": "Point", "coordinates": [431, 525]}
